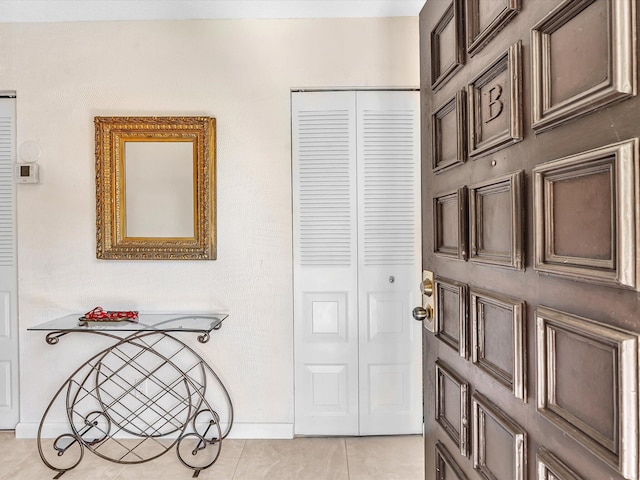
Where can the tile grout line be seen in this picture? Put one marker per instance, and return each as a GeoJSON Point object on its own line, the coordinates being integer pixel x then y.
{"type": "Point", "coordinates": [119, 473]}
{"type": "Point", "coordinates": [346, 453]}
{"type": "Point", "coordinates": [235, 470]}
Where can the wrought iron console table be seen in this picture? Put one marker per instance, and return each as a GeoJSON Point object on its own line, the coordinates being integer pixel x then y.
{"type": "Point", "coordinates": [140, 397]}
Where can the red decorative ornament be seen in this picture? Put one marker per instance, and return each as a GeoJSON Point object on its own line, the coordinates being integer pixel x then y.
{"type": "Point", "coordinates": [100, 315]}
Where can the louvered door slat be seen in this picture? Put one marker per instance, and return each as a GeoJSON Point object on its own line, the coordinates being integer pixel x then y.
{"type": "Point", "coordinates": [325, 188]}
{"type": "Point", "coordinates": [388, 145]}
{"type": "Point", "coordinates": [7, 253]}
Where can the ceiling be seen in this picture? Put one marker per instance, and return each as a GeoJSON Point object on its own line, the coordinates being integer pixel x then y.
{"type": "Point", "coordinates": [111, 10]}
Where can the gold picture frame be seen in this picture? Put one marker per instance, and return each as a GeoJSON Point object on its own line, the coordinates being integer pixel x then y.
{"type": "Point", "coordinates": [155, 188]}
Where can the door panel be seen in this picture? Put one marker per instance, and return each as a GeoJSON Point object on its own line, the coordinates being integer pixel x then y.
{"type": "Point", "coordinates": [545, 298]}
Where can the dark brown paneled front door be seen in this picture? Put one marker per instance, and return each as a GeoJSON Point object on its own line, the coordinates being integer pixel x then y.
{"type": "Point", "coordinates": [531, 226]}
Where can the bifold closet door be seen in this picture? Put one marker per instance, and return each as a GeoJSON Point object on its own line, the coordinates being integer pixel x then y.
{"type": "Point", "coordinates": [356, 262]}
{"type": "Point", "coordinates": [325, 263]}
{"type": "Point", "coordinates": [9, 412]}
{"type": "Point", "coordinates": [388, 191]}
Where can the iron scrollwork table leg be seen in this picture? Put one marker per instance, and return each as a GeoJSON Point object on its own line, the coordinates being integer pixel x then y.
{"type": "Point", "coordinates": [139, 398]}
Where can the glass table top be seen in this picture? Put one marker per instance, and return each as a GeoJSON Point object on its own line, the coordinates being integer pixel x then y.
{"type": "Point", "coordinates": [146, 322]}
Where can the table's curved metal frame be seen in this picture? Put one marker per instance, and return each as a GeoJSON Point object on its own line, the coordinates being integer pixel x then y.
{"type": "Point", "coordinates": [194, 429]}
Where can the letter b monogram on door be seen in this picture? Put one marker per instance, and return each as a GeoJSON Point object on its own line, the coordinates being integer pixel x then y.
{"type": "Point", "coordinates": [495, 105]}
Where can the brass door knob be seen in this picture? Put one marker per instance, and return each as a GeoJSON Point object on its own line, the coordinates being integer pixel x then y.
{"type": "Point", "coordinates": [420, 313]}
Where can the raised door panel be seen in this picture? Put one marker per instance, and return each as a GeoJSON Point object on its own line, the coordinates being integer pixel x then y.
{"type": "Point", "coordinates": [591, 196]}
{"type": "Point", "coordinates": [5, 384]}
{"type": "Point", "coordinates": [8, 368]}
{"type": "Point", "coordinates": [496, 221]}
{"type": "Point", "coordinates": [551, 467]}
{"type": "Point", "coordinates": [587, 384]}
{"type": "Point", "coordinates": [495, 104]}
{"type": "Point", "coordinates": [450, 224]}
{"type": "Point", "coordinates": [485, 18]}
{"type": "Point", "coordinates": [584, 58]}
{"type": "Point", "coordinates": [452, 406]}
{"type": "Point", "coordinates": [448, 139]}
{"type": "Point", "coordinates": [499, 443]}
{"type": "Point", "coordinates": [452, 314]}
{"type": "Point", "coordinates": [447, 44]}
{"type": "Point", "coordinates": [445, 465]}
{"type": "Point", "coordinates": [498, 339]}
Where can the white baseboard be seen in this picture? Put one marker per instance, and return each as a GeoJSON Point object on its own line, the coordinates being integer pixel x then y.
{"type": "Point", "coordinates": [262, 431]}
{"type": "Point", "coordinates": [247, 431]}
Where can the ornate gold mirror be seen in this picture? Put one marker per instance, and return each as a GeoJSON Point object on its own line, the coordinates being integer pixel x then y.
{"type": "Point", "coordinates": [155, 188]}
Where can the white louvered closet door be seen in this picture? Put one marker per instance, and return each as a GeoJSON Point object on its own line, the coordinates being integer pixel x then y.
{"type": "Point", "coordinates": [325, 263]}
{"type": "Point", "coordinates": [9, 414]}
{"type": "Point", "coordinates": [389, 239]}
{"type": "Point", "coordinates": [356, 225]}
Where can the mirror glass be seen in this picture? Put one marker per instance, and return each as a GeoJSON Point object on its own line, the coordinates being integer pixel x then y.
{"type": "Point", "coordinates": [159, 189]}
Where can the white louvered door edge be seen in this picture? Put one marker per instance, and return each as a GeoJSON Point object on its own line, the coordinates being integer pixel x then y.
{"type": "Point", "coordinates": [9, 409]}
{"type": "Point", "coordinates": [356, 197]}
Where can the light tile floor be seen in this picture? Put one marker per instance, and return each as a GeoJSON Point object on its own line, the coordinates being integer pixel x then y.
{"type": "Point", "coordinates": [348, 458]}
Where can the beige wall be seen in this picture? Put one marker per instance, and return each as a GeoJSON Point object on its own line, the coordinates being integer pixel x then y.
{"type": "Point", "coordinates": [240, 72]}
